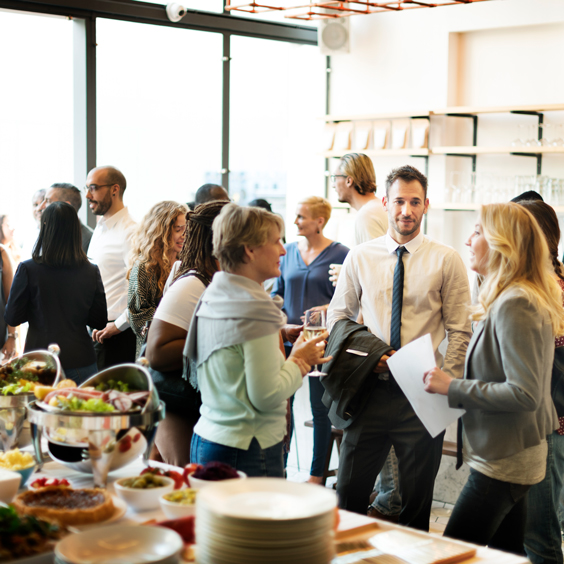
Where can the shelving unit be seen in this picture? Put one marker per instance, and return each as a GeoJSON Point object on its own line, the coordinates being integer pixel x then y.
{"type": "Point", "coordinates": [470, 151]}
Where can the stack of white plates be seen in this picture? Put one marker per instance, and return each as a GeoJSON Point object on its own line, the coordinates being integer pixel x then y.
{"type": "Point", "coordinates": [265, 520]}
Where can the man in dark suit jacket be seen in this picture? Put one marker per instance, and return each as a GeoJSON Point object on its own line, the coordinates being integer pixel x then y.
{"type": "Point", "coordinates": [65, 192]}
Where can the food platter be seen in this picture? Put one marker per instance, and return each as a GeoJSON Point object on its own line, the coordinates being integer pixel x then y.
{"type": "Point", "coordinates": [13, 407]}
{"type": "Point", "coordinates": [136, 376]}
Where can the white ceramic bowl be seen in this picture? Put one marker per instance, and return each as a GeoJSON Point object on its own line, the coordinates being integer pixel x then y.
{"type": "Point", "coordinates": [197, 484]}
{"type": "Point", "coordinates": [143, 499]}
{"type": "Point", "coordinates": [9, 484]}
{"type": "Point", "coordinates": [174, 510]}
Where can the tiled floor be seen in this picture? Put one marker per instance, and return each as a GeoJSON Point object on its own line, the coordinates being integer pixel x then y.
{"type": "Point", "coordinates": [299, 459]}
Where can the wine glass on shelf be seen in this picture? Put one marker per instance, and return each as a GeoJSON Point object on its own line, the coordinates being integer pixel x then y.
{"type": "Point", "coordinates": [314, 326]}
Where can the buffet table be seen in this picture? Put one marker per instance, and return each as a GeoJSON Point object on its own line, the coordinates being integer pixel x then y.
{"type": "Point", "coordinates": [79, 480]}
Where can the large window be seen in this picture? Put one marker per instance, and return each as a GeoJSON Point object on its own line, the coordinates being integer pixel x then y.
{"type": "Point", "coordinates": [277, 98]}
{"type": "Point", "coordinates": [36, 113]}
{"type": "Point", "coordinates": [159, 93]}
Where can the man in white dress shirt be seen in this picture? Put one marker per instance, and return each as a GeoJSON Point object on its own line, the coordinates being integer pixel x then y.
{"type": "Point", "coordinates": [434, 298]}
{"type": "Point", "coordinates": [355, 183]}
{"type": "Point", "coordinates": [109, 249]}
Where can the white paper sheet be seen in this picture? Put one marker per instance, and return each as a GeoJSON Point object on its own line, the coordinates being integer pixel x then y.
{"type": "Point", "coordinates": [408, 366]}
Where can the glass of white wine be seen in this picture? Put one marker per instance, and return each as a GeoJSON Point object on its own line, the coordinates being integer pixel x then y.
{"type": "Point", "coordinates": [314, 326]}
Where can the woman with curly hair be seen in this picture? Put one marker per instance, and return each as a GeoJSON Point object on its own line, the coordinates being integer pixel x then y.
{"type": "Point", "coordinates": [157, 243]}
{"type": "Point", "coordinates": [169, 328]}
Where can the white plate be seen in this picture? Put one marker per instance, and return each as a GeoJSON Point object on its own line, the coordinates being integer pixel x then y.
{"type": "Point", "coordinates": [120, 544]}
{"type": "Point", "coordinates": [120, 507]}
{"type": "Point", "coordinates": [269, 499]}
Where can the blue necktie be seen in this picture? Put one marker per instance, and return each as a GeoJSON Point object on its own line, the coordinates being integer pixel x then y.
{"type": "Point", "coordinates": [397, 301]}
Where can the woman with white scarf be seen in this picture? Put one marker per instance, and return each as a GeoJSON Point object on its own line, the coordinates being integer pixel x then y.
{"type": "Point", "coordinates": [234, 343]}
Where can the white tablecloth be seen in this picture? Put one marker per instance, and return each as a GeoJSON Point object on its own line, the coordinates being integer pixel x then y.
{"type": "Point", "coordinates": [79, 480]}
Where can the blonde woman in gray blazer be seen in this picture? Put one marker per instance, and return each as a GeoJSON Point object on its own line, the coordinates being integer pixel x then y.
{"type": "Point", "coordinates": [506, 385]}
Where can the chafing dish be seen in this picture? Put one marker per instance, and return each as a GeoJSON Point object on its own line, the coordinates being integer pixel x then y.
{"type": "Point", "coordinates": [13, 408]}
{"type": "Point", "coordinates": [98, 443]}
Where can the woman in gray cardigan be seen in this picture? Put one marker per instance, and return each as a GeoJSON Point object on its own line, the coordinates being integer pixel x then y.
{"type": "Point", "coordinates": [506, 385]}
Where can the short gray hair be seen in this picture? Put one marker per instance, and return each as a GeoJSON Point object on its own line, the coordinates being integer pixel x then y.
{"type": "Point", "coordinates": [237, 227]}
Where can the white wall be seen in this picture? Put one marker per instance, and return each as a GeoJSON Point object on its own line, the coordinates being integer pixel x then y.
{"type": "Point", "coordinates": [501, 52]}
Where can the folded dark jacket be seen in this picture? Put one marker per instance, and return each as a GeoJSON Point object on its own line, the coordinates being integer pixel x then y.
{"type": "Point", "coordinates": [350, 376]}
{"type": "Point", "coordinates": [557, 383]}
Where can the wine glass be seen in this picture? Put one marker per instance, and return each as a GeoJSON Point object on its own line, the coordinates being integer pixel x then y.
{"type": "Point", "coordinates": [314, 326]}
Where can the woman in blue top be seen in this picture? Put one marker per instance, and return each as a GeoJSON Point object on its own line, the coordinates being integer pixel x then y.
{"type": "Point", "coordinates": [304, 284]}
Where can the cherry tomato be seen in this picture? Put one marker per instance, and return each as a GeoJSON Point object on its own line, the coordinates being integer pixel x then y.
{"type": "Point", "coordinates": [177, 477]}
{"type": "Point", "coordinates": [190, 469]}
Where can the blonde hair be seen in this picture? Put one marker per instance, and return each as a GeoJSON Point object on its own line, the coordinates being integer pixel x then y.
{"type": "Point", "coordinates": [319, 207]}
{"type": "Point", "coordinates": [360, 168]}
{"type": "Point", "coordinates": [237, 227]}
{"type": "Point", "coordinates": [518, 256]}
{"type": "Point", "coordinates": [151, 242]}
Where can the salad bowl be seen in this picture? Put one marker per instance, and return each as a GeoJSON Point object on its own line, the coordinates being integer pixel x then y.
{"type": "Point", "coordinates": [15, 397]}
{"type": "Point", "coordinates": [135, 376]}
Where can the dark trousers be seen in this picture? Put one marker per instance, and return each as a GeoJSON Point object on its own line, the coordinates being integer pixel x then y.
{"type": "Point", "coordinates": [388, 419]}
{"type": "Point", "coordinates": [321, 427]}
{"type": "Point", "coordinates": [490, 512]}
{"type": "Point", "coordinates": [118, 349]}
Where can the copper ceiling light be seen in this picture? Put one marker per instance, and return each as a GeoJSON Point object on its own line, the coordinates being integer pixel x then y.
{"type": "Point", "coordinates": [336, 9]}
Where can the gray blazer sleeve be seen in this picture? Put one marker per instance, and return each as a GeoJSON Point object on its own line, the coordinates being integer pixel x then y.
{"type": "Point", "coordinates": [508, 375]}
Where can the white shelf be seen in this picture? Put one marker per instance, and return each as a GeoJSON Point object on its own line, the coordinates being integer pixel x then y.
{"type": "Point", "coordinates": [379, 153]}
{"type": "Point", "coordinates": [450, 206]}
{"type": "Point", "coordinates": [497, 109]}
{"type": "Point", "coordinates": [368, 117]}
{"type": "Point", "coordinates": [414, 114]}
{"type": "Point", "coordinates": [469, 150]}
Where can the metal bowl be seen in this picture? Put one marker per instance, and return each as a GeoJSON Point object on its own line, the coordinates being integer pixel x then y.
{"type": "Point", "coordinates": [97, 437]}
{"type": "Point", "coordinates": [13, 408]}
{"type": "Point", "coordinates": [136, 375]}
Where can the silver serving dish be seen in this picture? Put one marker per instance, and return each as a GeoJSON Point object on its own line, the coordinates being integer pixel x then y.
{"type": "Point", "coordinates": [99, 436]}
{"type": "Point", "coordinates": [136, 375]}
{"type": "Point", "coordinates": [13, 408]}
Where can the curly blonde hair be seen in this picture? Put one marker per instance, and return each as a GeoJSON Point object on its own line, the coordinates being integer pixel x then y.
{"type": "Point", "coordinates": [518, 256]}
{"type": "Point", "coordinates": [151, 242]}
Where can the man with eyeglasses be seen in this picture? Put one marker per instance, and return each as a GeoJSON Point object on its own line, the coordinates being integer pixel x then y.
{"type": "Point", "coordinates": [109, 249]}
{"type": "Point", "coordinates": [355, 183]}
{"type": "Point", "coordinates": [65, 192]}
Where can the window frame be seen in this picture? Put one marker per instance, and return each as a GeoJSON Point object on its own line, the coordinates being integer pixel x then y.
{"type": "Point", "coordinates": [85, 13]}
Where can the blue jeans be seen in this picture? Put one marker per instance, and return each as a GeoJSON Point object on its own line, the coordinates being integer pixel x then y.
{"type": "Point", "coordinates": [321, 427]}
{"type": "Point", "coordinates": [255, 462]}
{"type": "Point", "coordinates": [490, 512]}
{"type": "Point", "coordinates": [543, 538]}
{"type": "Point", "coordinates": [388, 500]}
{"type": "Point", "coordinates": [80, 375]}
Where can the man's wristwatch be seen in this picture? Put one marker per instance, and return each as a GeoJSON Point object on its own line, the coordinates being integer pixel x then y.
{"type": "Point", "coordinates": [13, 335]}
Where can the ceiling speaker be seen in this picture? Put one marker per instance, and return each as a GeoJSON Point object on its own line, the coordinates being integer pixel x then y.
{"type": "Point", "coordinates": [334, 36]}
